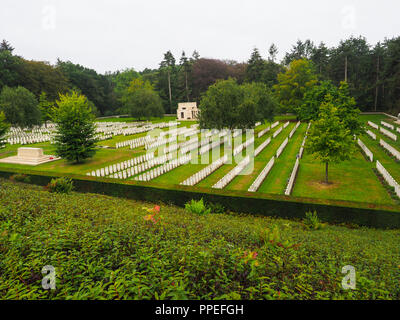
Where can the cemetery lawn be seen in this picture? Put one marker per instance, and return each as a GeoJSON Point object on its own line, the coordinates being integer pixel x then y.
{"type": "Point", "coordinates": [102, 248]}
{"type": "Point", "coordinates": [352, 180]}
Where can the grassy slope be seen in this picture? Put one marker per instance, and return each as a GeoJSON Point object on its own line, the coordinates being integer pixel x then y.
{"type": "Point", "coordinates": [101, 247]}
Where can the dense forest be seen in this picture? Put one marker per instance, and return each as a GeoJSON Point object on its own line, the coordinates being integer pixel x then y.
{"type": "Point", "coordinates": [372, 73]}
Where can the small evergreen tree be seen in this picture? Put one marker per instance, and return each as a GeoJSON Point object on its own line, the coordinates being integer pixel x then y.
{"type": "Point", "coordinates": [75, 140]}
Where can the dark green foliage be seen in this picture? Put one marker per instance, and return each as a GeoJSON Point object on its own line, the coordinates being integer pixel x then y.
{"type": "Point", "coordinates": [104, 248]}
{"type": "Point", "coordinates": [20, 177]}
{"type": "Point", "coordinates": [20, 107]}
{"type": "Point", "coordinates": [264, 71]}
{"type": "Point", "coordinates": [227, 104]}
{"type": "Point", "coordinates": [197, 207]}
{"type": "Point", "coordinates": [216, 208]}
{"type": "Point", "coordinates": [96, 87]}
{"type": "Point", "coordinates": [60, 185]}
{"type": "Point", "coordinates": [9, 69]}
{"type": "Point", "coordinates": [312, 222]}
{"type": "Point", "coordinates": [4, 127]}
{"type": "Point", "coordinates": [75, 139]}
{"type": "Point", "coordinates": [332, 211]}
{"type": "Point", "coordinates": [313, 99]}
{"type": "Point", "coordinates": [340, 97]}
{"type": "Point", "coordinates": [38, 77]}
{"type": "Point", "coordinates": [141, 101]}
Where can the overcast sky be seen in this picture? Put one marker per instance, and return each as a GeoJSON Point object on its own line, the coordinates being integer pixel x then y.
{"type": "Point", "coordinates": [110, 35]}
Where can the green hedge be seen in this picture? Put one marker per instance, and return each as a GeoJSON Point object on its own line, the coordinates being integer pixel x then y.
{"type": "Point", "coordinates": [333, 211]}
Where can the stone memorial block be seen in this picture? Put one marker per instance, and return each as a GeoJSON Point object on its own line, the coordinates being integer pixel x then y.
{"type": "Point", "coordinates": [29, 156]}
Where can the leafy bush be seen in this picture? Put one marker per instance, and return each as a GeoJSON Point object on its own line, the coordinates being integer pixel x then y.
{"type": "Point", "coordinates": [112, 248]}
{"type": "Point", "coordinates": [20, 177]}
{"type": "Point", "coordinates": [60, 185]}
{"type": "Point", "coordinates": [312, 222]}
{"type": "Point", "coordinates": [197, 207]}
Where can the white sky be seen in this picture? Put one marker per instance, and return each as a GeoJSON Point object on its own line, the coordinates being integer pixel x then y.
{"type": "Point", "coordinates": [108, 35]}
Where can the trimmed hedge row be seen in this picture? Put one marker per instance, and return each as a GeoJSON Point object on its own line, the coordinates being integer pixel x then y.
{"type": "Point", "coordinates": [333, 211]}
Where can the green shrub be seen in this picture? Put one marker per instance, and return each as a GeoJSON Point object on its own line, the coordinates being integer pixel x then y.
{"type": "Point", "coordinates": [216, 208]}
{"type": "Point", "coordinates": [60, 185]}
{"type": "Point", "coordinates": [197, 207]}
{"type": "Point", "coordinates": [106, 247]}
{"type": "Point", "coordinates": [20, 177]}
{"type": "Point", "coordinates": [312, 222]}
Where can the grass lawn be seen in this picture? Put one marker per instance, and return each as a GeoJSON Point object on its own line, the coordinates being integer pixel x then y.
{"type": "Point", "coordinates": [351, 180]}
{"type": "Point", "coordinates": [276, 181]}
{"type": "Point", "coordinates": [102, 248]}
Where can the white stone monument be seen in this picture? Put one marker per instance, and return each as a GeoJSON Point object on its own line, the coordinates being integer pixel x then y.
{"type": "Point", "coordinates": [30, 156]}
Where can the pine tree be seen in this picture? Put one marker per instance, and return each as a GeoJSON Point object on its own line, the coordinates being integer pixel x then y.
{"type": "Point", "coordinates": [75, 139]}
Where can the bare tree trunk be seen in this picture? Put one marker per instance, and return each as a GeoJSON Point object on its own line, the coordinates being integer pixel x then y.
{"type": "Point", "coordinates": [169, 89]}
{"type": "Point", "coordinates": [345, 69]}
{"type": "Point", "coordinates": [377, 80]}
{"type": "Point", "coordinates": [187, 88]}
{"type": "Point", "coordinates": [326, 173]}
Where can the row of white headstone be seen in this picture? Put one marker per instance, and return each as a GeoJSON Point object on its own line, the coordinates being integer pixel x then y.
{"type": "Point", "coordinates": [185, 146]}
{"type": "Point", "coordinates": [243, 146]}
{"type": "Point", "coordinates": [277, 132]}
{"type": "Point", "coordinates": [29, 139]}
{"type": "Point", "coordinates": [161, 160]}
{"type": "Point", "coordinates": [373, 125]}
{"type": "Point", "coordinates": [304, 141]}
{"type": "Point", "coordinates": [152, 174]}
{"type": "Point", "coordinates": [286, 124]}
{"type": "Point", "coordinates": [388, 134]}
{"type": "Point", "coordinates": [102, 137]}
{"type": "Point", "coordinates": [296, 166]}
{"type": "Point", "coordinates": [389, 148]}
{"type": "Point", "coordinates": [294, 129]}
{"type": "Point", "coordinates": [205, 172]}
{"type": "Point", "coordinates": [257, 124]}
{"type": "Point", "coordinates": [160, 142]}
{"type": "Point", "coordinates": [292, 178]}
{"type": "Point", "coordinates": [388, 178]}
{"type": "Point", "coordinates": [261, 177]}
{"type": "Point", "coordinates": [282, 147]}
{"type": "Point", "coordinates": [274, 124]}
{"type": "Point", "coordinates": [134, 143]}
{"type": "Point", "coordinates": [262, 132]}
{"type": "Point", "coordinates": [371, 134]}
{"type": "Point", "coordinates": [367, 152]}
{"type": "Point", "coordinates": [262, 146]}
{"type": "Point", "coordinates": [232, 174]}
{"type": "Point", "coordinates": [114, 168]}
{"type": "Point", "coordinates": [383, 130]}
{"type": "Point", "coordinates": [212, 145]}
{"type": "Point", "coordinates": [387, 125]}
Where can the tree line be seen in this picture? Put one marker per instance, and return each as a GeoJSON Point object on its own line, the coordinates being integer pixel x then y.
{"type": "Point", "coordinates": [371, 71]}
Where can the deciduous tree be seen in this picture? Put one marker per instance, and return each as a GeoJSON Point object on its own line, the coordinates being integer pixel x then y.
{"type": "Point", "coordinates": [294, 83]}
{"type": "Point", "coordinates": [20, 107]}
{"type": "Point", "coordinates": [329, 139]}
